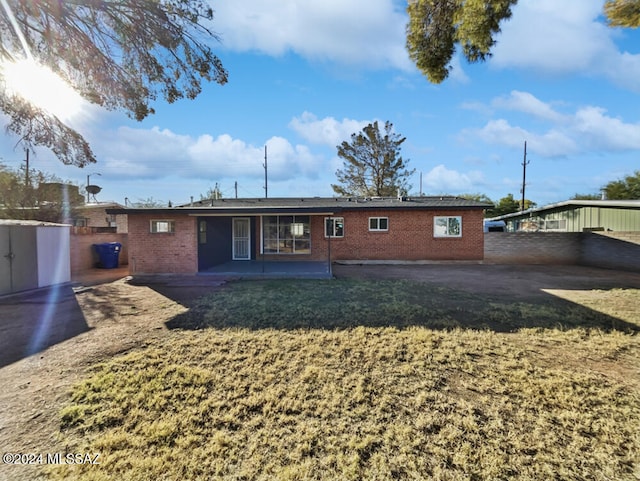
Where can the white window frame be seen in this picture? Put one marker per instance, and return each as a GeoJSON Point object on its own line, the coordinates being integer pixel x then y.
{"type": "Point", "coordinates": [333, 227]}
{"type": "Point", "coordinates": [378, 228]}
{"type": "Point", "coordinates": [562, 225]}
{"type": "Point", "coordinates": [438, 233]}
{"type": "Point", "coordinates": [170, 226]}
{"type": "Point", "coordinates": [297, 231]}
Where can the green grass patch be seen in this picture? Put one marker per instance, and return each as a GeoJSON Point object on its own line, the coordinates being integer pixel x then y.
{"type": "Point", "coordinates": [265, 392]}
{"type": "Point", "coordinates": [344, 303]}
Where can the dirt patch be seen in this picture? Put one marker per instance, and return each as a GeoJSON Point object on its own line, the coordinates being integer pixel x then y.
{"type": "Point", "coordinates": [75, 329]}
{"type": "Point", "coordinates": [81, 330]}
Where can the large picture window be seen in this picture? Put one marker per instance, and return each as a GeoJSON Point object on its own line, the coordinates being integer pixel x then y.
{"type": "Point", "coordinates": [334, 226]}
{"type": "Point", "coordinates": [162, 226]}
{"type": "Point", "coordinates": [447, 226]}
{"type": "Point", "coordinates": [286, 234]}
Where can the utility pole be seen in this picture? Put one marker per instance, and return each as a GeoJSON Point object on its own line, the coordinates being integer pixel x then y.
{"type": "Point", "coordinates": [27, 182]}
{"type": "Point", "coordinates": [524, 175]}
{"type": "Point", "coordinates": [236, 188]}
{"type": "Point", "coordinates": [266, 191]}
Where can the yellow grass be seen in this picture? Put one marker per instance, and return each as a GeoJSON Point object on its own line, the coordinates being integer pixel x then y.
{"type": "Point", "coordinates": [364, 402]}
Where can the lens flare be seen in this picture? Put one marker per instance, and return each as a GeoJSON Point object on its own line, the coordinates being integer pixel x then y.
{"type": "Point", "coordinates": [42, 87]}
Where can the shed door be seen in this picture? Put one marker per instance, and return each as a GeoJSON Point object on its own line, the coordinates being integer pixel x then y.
{"type": "Point", "coordinates": [241, 239]}
{"type": "Point", "coordinates": [5, 260]}
{"type": "Point", "coordinates": [18, 259]}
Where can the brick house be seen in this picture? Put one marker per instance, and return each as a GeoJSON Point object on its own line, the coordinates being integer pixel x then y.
{"type": "Point", "coordinates": [200, 236]}
{"type": "Point", "coordinates": [96, 216]}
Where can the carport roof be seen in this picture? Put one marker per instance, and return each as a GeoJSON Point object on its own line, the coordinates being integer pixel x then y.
{"type": "Point", "coordinates": [309, 205]}
{"type": "Point", "coordinates": [571, 204]}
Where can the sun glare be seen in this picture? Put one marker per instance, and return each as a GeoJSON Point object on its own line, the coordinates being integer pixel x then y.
{"type": "Point", "coordinates": [42, 87]}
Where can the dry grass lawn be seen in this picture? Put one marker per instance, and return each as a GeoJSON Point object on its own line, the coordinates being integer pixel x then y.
{"type": "Point", "coordinates": [353, 380]}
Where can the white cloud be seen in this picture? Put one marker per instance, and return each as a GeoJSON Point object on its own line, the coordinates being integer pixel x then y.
{"type": "Point", "coordinates": [328, 131]}
{"type": "Point", "coordinates": [528, 104]}
{"type": "Point", "coordinates": [601, 132]}
{"type": "Point", "coordinates": [552, 37]}
{"type": "Point", "coordinates": [345, 31]}
{"type": "Point", "coordinates": [155, 153]}
{"type": "Point", "coordinates": [441, 180]}
{"type": "Point", "coordinates": [552, 143]}
{"type": "Point", "coordinates": [588, 129]}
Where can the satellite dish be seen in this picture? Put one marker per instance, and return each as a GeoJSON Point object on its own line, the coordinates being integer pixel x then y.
{"type": "Point", "coordinates": [93, 189]}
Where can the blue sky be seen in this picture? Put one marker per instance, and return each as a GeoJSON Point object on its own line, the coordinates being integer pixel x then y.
{"type": "Point", "coordinates": [305, 75]}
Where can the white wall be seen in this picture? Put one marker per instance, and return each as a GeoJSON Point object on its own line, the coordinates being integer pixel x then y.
{"type": "Point", "coordinates": [53, 251]}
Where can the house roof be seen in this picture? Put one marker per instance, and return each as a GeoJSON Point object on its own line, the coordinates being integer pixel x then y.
{"type": "Point", "coordinates": [100, 205]}
{"type": "Point", "coordinates": [309, 205]}
{"type": "Point", "coordinates": [572, 204]}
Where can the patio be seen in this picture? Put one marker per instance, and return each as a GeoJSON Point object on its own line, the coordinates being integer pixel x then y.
{"type": "Point", "coordinates": [270, 269]}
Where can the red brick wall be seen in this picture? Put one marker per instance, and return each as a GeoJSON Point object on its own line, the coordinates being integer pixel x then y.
{"type": "Point", "coordinates": [97, 217]}
{"type": "Point", "coordinates": [83, 257]}
{"type": "Point", "coordinates": [410, 237]}
{"type": "Point", "coordinates": [162, 252]}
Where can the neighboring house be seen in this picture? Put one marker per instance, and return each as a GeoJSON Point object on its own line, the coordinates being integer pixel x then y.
{"type": "Point", "coordinates": [577, 216]}
{"type": "Point", "coordinates": [95, 215]}
{"type": "Point", "coordinates": [202, 235]}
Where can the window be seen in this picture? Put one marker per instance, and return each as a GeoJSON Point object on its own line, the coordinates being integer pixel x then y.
{"type": "Point", "coordinates": [286, 234]}
{"type": "Point", "coordinates": [447, 226]}
{"type": "Point", "coordinates": [163, 226]}
{"type": "Point", "coordinates": [334, 226]}
{"type": "Point", "coordinates": [379, 223]}
{"type": "Point", "coordinates": [557, 224]}
{"type": "Point", "coordinates": [202, 232]}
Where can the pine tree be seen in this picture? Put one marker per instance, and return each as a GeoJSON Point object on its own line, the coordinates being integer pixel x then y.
{"type": "Point", "coordinates": [372, 164]}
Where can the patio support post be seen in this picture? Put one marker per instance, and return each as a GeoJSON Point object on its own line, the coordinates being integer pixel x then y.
{"type": "Point", "coordinates": [329, 244]}
{"type": "Point", "coordinates": [262, 239]}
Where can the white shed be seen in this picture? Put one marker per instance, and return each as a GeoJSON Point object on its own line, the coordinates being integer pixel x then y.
{"type": "Point", "coordinates": [33, 254]}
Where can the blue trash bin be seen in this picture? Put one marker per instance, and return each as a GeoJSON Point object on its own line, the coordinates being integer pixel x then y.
{"type": "Point", "coordinates": [108, 254]}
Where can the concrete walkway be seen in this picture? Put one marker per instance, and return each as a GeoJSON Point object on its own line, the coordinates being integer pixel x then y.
{"type": "Point", "coordinates": [272, 270]}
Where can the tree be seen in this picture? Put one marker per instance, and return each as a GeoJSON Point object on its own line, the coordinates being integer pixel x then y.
{"type": "Point", "coordinates": [623, 13]}
{"type": "Point", "coordinates": [586, 197]}
{"type": "Point", "coordinates": [509, 205]}
{"type": "Point", "coordinates": [624, 189]}
{"type": "Point", "coordinates": [436, 26]}
{"type": "Point", "coordinates": [481, 198]}
{"type": "Point", "coordinates": [43, 196]}
{"type": "Point", "coordinates": [372, 163]}
{"type": "Point", "coordinates": [149, 203]}
{"type": "Point", "coordinates": [119, 54]}
{"type": "Point", "coordinates": [212, 193]}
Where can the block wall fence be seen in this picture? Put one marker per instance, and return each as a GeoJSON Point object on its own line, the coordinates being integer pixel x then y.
{"type": "Point", "coordinates": [611, 250]}
{"type": "Point", "coordinates": [83, 256]}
